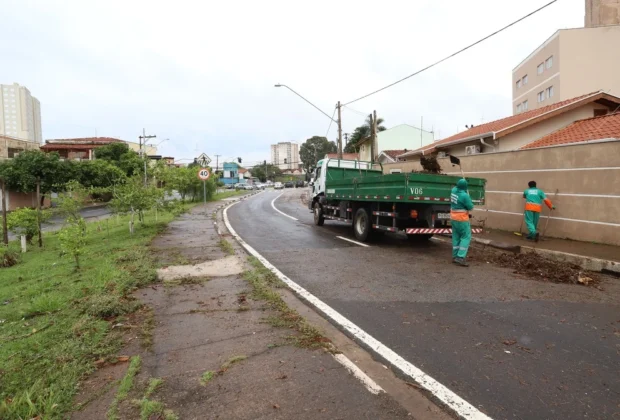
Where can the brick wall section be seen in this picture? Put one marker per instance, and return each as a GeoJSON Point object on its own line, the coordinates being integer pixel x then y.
{"type": "Point", "coordinates": [587, 178]}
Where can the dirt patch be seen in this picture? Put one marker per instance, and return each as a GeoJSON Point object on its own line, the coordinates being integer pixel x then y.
{"type": "Point", "coordinates": [228, 266]}
{"type": "Point", "coordinates": [538, 267]}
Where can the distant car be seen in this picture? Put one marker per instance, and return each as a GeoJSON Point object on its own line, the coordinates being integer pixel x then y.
{"type": "Point", "coordinates": [299, 184]}
{"type": "Point", "coordinates": [248, 186]}
{"type": "Point", "coordinates": [239, 186]}
{"type": "Point", "coordinates": [278, 186]}
{"type": "Point", "coordinates": [259, 186]}
{"type": "Point", "coordinates": [289, 184]}
{"type": "Point", "coordinates": [229, 186]}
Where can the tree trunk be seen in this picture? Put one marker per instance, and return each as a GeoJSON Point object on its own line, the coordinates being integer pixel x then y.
{"type": "Point", "coordinates": [5, 232]}
{"type": "Point", "coordinates": [39, 213]}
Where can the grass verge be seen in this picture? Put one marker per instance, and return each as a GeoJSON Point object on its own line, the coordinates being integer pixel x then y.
{"type": "Point", "coordinates": [226, 247]}
{"type": "Point", "coordinates": [263, 283]}
{"type": "Point", "coordinates": [55, 321]}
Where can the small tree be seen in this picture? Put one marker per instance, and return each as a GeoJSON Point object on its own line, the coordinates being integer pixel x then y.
{"type": "Point", "coordinates": [133, 197]}
{"type": "Point", "coordinates": [25, 221]}
{"type": "Point", "coordinates": [72, 240]}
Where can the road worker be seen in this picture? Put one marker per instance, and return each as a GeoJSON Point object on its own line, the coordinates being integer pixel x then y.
{"type": "Point", "coordinates": [460, 207]}
{"type": "Point", "coordinates": [534, 198]}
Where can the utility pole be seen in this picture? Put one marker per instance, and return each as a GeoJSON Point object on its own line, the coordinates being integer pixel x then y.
{"type": "Point", "coordinates": [5, 232]}
{"type": "Point", "coordinates": [375, 145]}
{"type": "Point", "coordinates": [143, 139]}
{"type": "Point", "coordinates": [339, 131]}
{"type": "Point", "coordinates": [372, 139]}
{"type": "Point", "coordinates": [217, 163]}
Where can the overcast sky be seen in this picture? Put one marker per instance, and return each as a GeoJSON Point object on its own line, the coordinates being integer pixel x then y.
{"type": "Point", "coordinates": [201, 73]}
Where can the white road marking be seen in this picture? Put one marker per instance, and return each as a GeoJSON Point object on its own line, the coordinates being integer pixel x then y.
{"type": "Point", "coordinates": [461, 407]}
{"type": "Point", "coordinates": [352, 241]}
{"type": "Point", "coordinates": [370, 385]}
{"type": "Point", "coordinates": [281, 212]}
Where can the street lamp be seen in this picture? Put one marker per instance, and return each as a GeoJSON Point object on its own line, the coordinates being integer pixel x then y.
{"type": "Point", "coordinates": [338, 121]}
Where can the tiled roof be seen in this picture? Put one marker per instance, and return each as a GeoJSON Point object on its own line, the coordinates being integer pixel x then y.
{"type": "Point", "coordinates": [242, 170]}
{"type": "Point", "coordinates": [394, 153]}
{"type": "Point", "coordinates": [90, 140]}
{"type": "Point", "coordinates": [513, 123]}
{"type": "Point", "coordinates": [69, 146]}
{"type": "Point", "coordinates": [597, 128]}
{"type": "Point", "coordinates": [347, 156]}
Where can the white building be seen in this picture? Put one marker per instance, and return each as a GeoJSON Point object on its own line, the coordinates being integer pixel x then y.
{"type": "Point", "coordinates": [20, 113]}
{"type": "Point", "coordinates": [285, 155]}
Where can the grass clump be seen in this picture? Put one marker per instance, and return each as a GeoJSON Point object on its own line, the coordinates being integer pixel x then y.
{"type": "Point", "coordinates": [107, 306]}
{"type": "Point", "coordinates": [124, 387]}
{"type": "Point", "coordinates": [8, 257]}
{"type": "Point", "coordinates": [226, 247]}
{"type": "Point", "coordinates": [263, 281]}
{"type": "Point", "coordinates": [154, 385]}
{"type": "Point", "coordinates": [150, 409]}
{"type": "Point", "coordinates": [206, 377]}
{"type": "Point", "coordinates": [232, 361]}
{"type": "Point", "coordinates": [148, 325]}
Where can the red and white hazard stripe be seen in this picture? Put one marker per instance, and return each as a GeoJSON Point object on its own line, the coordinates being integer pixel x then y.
{"type": "Point", "coordinates": [418, 231]}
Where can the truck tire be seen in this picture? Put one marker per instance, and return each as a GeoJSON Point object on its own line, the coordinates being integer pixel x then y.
{"type": "Point", "coordinates": [362, 225]}
{"type": "Point", "coordinates": [319, 219]}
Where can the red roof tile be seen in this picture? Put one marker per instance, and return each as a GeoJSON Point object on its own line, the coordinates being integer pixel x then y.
{"type": "Point", "coordinates": [510, 124]}
{"type": "Point", "coordinates": [394, 153]}
{"type": "Point", "coordinates": [66, 146]}
{"type": "Point", "coordinates": [347, 156]}
{"type": "Point", "coordinates": [86, 140]}
{"type": "Point", "coordinates": [597, 128]}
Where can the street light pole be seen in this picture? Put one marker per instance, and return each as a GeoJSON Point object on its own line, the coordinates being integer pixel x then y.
{"type": "Point", "coordinates": [339, 132]}
{"type": "Point", "coordinates": [143, 138]}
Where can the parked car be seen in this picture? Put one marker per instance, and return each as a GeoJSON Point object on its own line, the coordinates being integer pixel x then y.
{"type": "Point", "coordinates": [278, 186]}
{"type": "Point", "coordinates": [259, 186]}
{"type": "Point", "coordinates": [239, 186]}
{"type": "Point", "coordinates": [248, 186]}
{"type": "Point", "coordinates": [299, 184]}
{"type": "Point", "coordinates": [229, 186]}
{"type": "Point", "coordinates": [289, 184]}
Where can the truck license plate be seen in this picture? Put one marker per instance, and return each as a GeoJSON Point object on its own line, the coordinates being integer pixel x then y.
{"type": "Point", "coordinates": [444, 216]}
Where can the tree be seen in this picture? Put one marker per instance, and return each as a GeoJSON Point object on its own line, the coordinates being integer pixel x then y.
{"type": "Point", "coordinates": [111, 152]}
{"type": "Point", "coordinates": [314, 149]}
{"type": "Point", "coordinates": [360, 133]}
{"type": "Point", "coordinates": [99, 174]}
{"type": "Point", "coordinates": [272, 172]}
{"type": "Point", "coordinates": [133, 197]}
{"type": "Point", "coordinates": [122, 157]}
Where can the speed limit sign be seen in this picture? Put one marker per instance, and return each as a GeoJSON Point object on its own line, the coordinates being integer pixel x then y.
{"type": "Point", "coordinates": [204, 174]}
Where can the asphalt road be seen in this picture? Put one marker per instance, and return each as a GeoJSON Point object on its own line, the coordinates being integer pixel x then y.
{"type": "Point", "coordinates": [456, 324]}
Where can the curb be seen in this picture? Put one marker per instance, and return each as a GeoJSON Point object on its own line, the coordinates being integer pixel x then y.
{"type": "Point", "coordinates": [587, 263]}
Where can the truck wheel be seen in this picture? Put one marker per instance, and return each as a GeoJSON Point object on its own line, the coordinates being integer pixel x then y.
{"type": "Point", "coordinates": [362, 226]}
{"type": "Point", "coordinates": [319, 219]}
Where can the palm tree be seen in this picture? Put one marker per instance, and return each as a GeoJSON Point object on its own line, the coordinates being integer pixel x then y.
{"type": "Point", "coordinates": [362, 132]}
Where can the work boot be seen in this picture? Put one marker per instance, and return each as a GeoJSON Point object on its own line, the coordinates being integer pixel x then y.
{"type": "Point", "coordinates": [461, 262]}
{"type": "Point", "coordinates": [537, 237]}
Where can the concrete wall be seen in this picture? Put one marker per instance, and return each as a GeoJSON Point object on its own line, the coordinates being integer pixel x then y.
{"type": "Point", "coordinates": [586, 178]}
{"type": "Point", "coordinates": [403, 136]}
{"type": "Point", "coordinates": [17, 200]}
{"type": "Point", "coordinates": [590, 61]}
{"type": "Point", "coordinates": [602, 12]}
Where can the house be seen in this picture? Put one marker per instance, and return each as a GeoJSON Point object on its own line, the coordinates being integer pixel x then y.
{"type": "Point", "coordinates": [11, 146]}
{"type": "Point", "coordinates": [231, 173]}
{"type": "Point", "coordinates": [400, 137]}
{"type": "Point", "coordinates": [516, 131]}
{"type": "Point", "coordinates": [390, 156]}
{"type": "Point", "coordinates": [77, 148]}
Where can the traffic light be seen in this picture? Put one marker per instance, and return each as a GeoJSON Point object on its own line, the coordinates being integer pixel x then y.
{"type": "Point", "coordinates": [239, 159]}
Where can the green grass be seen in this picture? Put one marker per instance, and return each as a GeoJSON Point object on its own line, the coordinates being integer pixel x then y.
{"type": "Point", "coordinates": [154, 385]}
{"type": "Point", "coordinates": [227, 194]}
{"type": "Point", "coordinates": [226, 247]}
{"type": "Point", "coordinates": [125, 387]}
{"type": "Point", "coordinates": [206, 377]}
{"type": "Point", "coordinates": [54, 320]}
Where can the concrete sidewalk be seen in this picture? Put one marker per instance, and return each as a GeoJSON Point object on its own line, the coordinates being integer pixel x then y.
{"type": "Point", "coordinates": [591, 256]}
{"type": "Point", "coordinates": [227, 345]}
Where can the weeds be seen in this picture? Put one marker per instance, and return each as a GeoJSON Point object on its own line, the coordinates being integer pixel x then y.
{"type": "Point", "coordinates": [226, 247]}
{"type": "Point", "coordinates": [125, 386]}
{"type": "Point", "coordinates": [262, 280]}
{"type": "Point", "coordinates": [148, 325]}
{"type": "Point", "coordinates": [232, 361]}
{"type": "Point", "coordinates": [206, 377]}
{"type": "Point", "coordinates": [152, 409]}
{"type": "Point", "coordinates": [154, 385]}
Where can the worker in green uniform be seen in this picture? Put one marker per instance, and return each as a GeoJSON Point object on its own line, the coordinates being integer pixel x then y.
{"type": "Point", "coordinates": [460, 206]}
{"type": "Point", "coordinates": [534, 198]}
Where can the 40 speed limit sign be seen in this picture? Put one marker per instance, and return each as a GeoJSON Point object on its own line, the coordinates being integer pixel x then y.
{"type": "Point", "coordinates": [204, 174]}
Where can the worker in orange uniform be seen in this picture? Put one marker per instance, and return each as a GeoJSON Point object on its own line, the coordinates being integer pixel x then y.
{"type": "Point", "coordinates": [460, 206]}
{"type": "Point", "coordinates": [534, 198]}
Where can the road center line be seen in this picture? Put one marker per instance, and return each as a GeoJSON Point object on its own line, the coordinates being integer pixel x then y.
{"type": "Point", "coordinates": [457, 404]}
{"type": "Point", "coordinates": [352, 241]}
{"type": "Point", "coordinates": [281, 212]}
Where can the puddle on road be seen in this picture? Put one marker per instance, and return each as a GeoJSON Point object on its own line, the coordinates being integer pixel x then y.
{"type": "Point", "coordinates": [228, 266]}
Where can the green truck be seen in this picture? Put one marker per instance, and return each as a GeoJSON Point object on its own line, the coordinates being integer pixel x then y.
{"type": "Point", "coordinates": [355, 192]}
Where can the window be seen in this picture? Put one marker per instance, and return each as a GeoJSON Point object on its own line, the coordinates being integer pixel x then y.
{"type": "Point", "coordinates": [549, 92]}
{"type": "Point", "coordinates": [525, 105]}
{"type": "Point", "coordinates": [541, 96]}
{"type": "Point", "coordinates": [525, 80]}
{"type": "Point", "coordinates": [540, 68]}
{"type": "Point", "coordinates": [518, 83]}
{"type": "Point", "coordinates": [519, 108]}
{"type": "Point", "coordinates": [549, 62]}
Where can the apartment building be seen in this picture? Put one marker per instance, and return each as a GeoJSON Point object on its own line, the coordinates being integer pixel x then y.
{"type": "Point", "coordinates": [570, 63]}
{"type": "Point", "coordinates": [20, 113]}
{"type": "Point", "coordinates": [602, 12]}
{"type": "Point", "coordinates": [285, 155]}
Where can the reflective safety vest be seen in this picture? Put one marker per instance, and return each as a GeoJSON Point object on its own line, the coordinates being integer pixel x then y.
{"type": "Point", "coordinates": [534, 198]}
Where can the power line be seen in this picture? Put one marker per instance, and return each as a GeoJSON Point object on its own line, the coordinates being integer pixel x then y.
{"type": "Point", "coordinates": [453, 54]}
{"type": "Point", "coordinates": [330, 122]}
{"type": "Point", "coordinates": [363, 114]}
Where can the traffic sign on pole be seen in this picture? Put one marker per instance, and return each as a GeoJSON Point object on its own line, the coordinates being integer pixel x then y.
{"type": "Point", "coordinates": [203, 174]}
{"type": "Point", "coordinates": [203, 160]}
